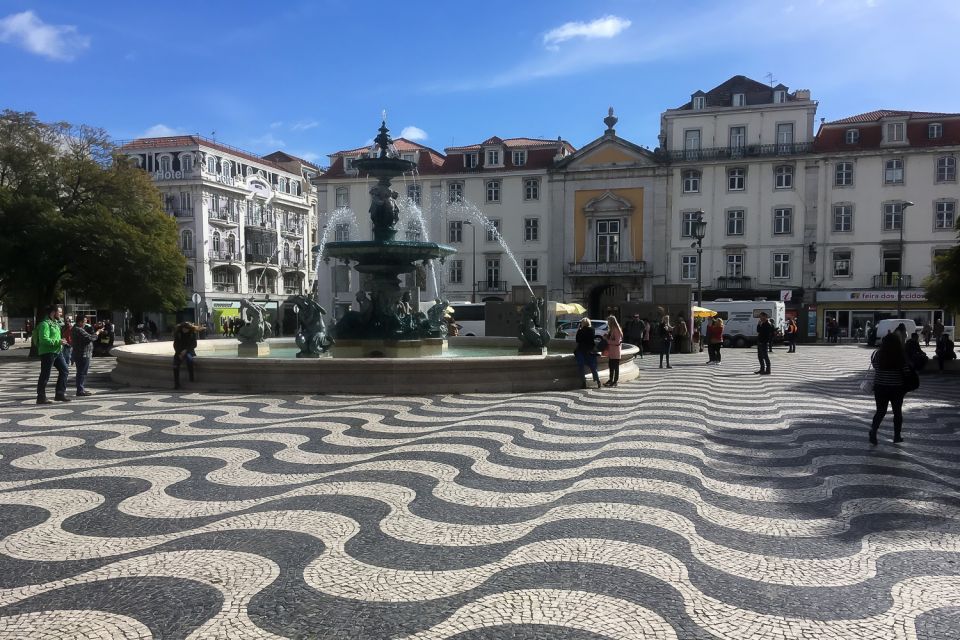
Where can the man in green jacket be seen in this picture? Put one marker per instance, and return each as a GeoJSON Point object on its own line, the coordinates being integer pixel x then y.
{"type": "Point", "coordinates": [50, 347]}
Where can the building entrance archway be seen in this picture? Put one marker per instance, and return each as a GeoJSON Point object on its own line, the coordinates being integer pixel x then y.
{"type": "Point", "coordinates": [605, 300]}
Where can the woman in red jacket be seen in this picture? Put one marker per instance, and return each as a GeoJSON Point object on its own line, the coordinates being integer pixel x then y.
{"type": "Point", "coordinates": [714, 340]}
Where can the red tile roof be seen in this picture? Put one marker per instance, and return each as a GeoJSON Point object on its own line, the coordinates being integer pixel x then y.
{"type": "Point", "coordinates": [512, 143]}
{"type": "Point", "coordinates": [184, 141]}
{"type": "Point", "coordinates": [879, 114]}
{"type": "Point", "coordinates": [429, 161]}
{"type": "Point", "coordinates": [831, 138]}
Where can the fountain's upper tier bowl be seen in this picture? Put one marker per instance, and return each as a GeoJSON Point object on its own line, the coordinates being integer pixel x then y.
{"type": "Point", "coordinates": [384, 167]}
{"type": "Point", "coordinates": [390, 252]}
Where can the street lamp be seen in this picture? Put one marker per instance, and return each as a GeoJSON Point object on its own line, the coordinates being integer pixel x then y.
{"type": "Point", "coordinates": [903, 211]}
{"type": "Point", "coordinates": [699, 232]}
{"type": "Point", "coordinates": [473, 295]}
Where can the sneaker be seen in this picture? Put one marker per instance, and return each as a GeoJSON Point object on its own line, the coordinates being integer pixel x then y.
{"type": "Point", "coordinates": [84, 393]}
{"type": "Point", "coordinates": [61, 398]}
{"type": "Point", "coordinates": [44, 401]}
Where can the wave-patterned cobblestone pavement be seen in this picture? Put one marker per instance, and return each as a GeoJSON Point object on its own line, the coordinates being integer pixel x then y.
{"type": "Point", "coordinates": [697, 502]}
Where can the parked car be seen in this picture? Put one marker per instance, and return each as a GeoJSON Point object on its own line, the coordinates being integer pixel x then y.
{"type": "Point", "coordinates": [569, 327]}
{"type": "Point", "coordinates": [6, 339]}
{"type": "Point", "coordinates": [886, 326]}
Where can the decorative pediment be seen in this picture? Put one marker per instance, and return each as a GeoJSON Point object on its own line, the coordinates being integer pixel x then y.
{"type": "Point", "coordinates": [608, 204]}
{"type": "Point", "coordinates": [608, 152]}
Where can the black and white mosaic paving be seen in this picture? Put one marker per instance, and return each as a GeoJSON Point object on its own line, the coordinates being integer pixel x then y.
{"type": "Point", "coordinates": [697, 502]}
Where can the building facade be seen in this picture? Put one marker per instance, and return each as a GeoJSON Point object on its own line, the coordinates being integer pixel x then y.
{"type": "Point", "coordinates": [244, 222]}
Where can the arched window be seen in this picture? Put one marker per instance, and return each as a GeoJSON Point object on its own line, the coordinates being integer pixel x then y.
{"type": "Point", "coordinates": [297, 254]}
{"type": "Point", "coordinates": [186, 240]}
{"type": "Point", "coordinates": [211, 164]}
{"type": "Point", "coordinates": [231, 245]}
{"type": "Point", "coordinates": [188, 278]}
{"type": "Point", "coordinates": [216, 242]}
{"type": "Point", "coordinates": [225, 168]}
{"type": "Point", "coordinates": [165, 163]}
{"type": "Point", "coordinates": [286, 253]}
{"type": "Point", "coordinates": [186, 162]}
{"type": "Point", "coordinates": [282, 185]}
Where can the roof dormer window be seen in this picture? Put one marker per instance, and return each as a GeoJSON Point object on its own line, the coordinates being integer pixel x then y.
{"type": "Point", "coordinates": [493, 157]}
{"type": "Point", "coordinates": [852, 136]}
{"type": "Point", "coordinates": [348, 164]}
{"type": "Point", "coordinates": [519, 157]}
{"type": "Point", "coordinates": [470, 160]}
{"type": "Point", "coordinates": [412, 157]}
{"type": "Point", "coordinates": [894, 132]}
{"type": "Point", "coordinates": [699, 102]}
{"type": "Point", "coordinates": [739, 99]}
{"type": "Point", "coordinates": [779, 96]}
{"type": "Point", "coordinates": [934, 130]}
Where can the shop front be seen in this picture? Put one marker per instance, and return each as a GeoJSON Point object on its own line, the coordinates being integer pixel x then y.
{"type": "Point", "coordinates": [853, 308]}
{"type": "Point", "coordinates": [224, 310]}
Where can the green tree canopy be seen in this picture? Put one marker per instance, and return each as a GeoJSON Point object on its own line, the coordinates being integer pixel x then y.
{"type": "Point", "coordinates": [76, 215]}
{"type": "Point", "coordinates": [943, 288]}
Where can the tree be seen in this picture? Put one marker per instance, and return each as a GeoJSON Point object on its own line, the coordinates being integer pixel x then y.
{"type": "Point", "coordinates": [76, 215]}
{"type": "Point", "coordinates": [943, 288]}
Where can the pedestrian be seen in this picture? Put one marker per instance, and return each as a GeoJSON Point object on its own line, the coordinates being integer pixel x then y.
{"type": "Point", "coordinates": [633, 331]}
{"type": "Point", "coordinates": [83, 340]}
{"type": "Point", "coordinates": [927, 333]}
{"type": "Point", "coordinates": [66, 331]}
{"type": "Point", "coordinates": [938, 329]}
{"type": "Point", "coordinates": [714, 340]}
{"type": "Point", "coordinates": [665, 336]}
{"type": "Point", "coordinates": [944, 350]}
{"type": "Point", "coordinates": [152, 326]}
{"type": "Point", "coordinates": [585, 351]}
{"type": "Point", "coordinates": [614, 338]}
{"type": "Point", "coordinates": [764, 337]}
{"type": "Point", "coordinates": [901, 332]}
{"type": "Point", "coordinates": [915, 355]}
{"type": "Point", "coordinates": [184, 350]}
{"type": "Point", "coordinates": [50, 348]}
{"type": "Point", "coordinates": [681, 335]}
{"type": "Point", "coordinates": [646, 335]}
{"type": "Point", "coordinates": [891, 375]}
{"type": "Point", "coordinates": [791, 336]}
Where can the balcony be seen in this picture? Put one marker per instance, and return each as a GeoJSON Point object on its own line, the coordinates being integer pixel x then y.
{"type": "Point", "coordinates": [734, 282]}
{"type": "Point", "coordinates": [225, 287]}
{"type": "Point", "coordinates": [734, 153]}
{"type": "Point", "coordinates": [624, 268]}
{"type": "Point", "coordinates": [262, 258]}
{"type": "Point", "coordinates": [292, 230]}
{"type": "Point", "coordinates": [264, 222]}
{"type": "Point", "coordinates": [889, 281]}
{"type": "Point", "coordinates": [224, 216]}
{"type": "Point", "coordinates": [222, 255]}
{"type": "Point", "coordinates": [188, 252]}
{"type": "Point", "coordinates": [179, 212]}
{"type": "Point", "coordinates": [491, 286]}
{"type": "Point", "coordinates": [293, 263]}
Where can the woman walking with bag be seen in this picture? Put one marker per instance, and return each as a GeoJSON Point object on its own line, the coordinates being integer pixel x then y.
{"type": "Point", "coordinates": [614, 338]}
{"type": "Point", "coordinates": [586, 350]}
{"type": "Point", "coordinates": [893, 378]}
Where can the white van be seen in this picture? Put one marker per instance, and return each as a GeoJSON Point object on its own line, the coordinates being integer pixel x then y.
{"type": "Point", "coordinates": [886, 326]}
{"type": "Point", "coordinates": [471, 316]}
{"type": "Point", "coordinates": [740, 318]}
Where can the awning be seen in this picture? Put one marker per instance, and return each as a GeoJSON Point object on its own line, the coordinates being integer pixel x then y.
{"type": "Point", "coordinates": [700, 312]}
{"type": "Point", "coordinates": [570, 309]}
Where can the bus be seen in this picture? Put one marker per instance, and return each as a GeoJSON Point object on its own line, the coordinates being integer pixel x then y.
{"type": "Point", "coordinates": [740, 318]}
{"type": "Point", "coordinates": [471, 317]}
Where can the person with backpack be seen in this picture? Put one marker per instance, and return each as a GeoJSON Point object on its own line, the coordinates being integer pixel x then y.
{"type": "Point", "coordinates": [893, 378]}
{"type": "Point", "coordinates": [665, 335]}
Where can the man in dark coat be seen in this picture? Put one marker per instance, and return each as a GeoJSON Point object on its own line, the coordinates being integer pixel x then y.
{"type": "Point", "coordinates": [765, 333]}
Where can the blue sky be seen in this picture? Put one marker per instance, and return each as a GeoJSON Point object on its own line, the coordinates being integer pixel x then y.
{"type": "Point", "coordinates": [312, 77]}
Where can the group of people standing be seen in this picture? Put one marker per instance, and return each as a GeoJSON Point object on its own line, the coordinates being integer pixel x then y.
{"type": "Point", "coordinates": [60, 344]}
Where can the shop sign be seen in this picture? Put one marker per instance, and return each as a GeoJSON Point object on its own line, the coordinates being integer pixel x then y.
{"type": "Point", "coordinates": [870, 295]}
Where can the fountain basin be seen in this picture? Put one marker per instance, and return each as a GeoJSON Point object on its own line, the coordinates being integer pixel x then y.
{"type": "Point", "coordinates": [219, 369]}
{"type": "Point", "coordinates": [399, 253]}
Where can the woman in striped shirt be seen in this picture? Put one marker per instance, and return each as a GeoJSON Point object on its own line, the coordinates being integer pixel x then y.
{"type": "Point", "coordinates": [890, 366]}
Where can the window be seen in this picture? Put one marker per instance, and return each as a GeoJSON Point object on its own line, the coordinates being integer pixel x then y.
{"type": "Point", "coordinates": [348, 164]}
{"type": "Point", "coordinates": [739, 100]}
{"type": "Point", "coordinates": [934, 131]}
{"type": "Point", "coordinates": [165, 164]}
{"type": "Point", "coordinates": [785, 137]}
{"type": "Point", "coordinates": [186, 204]}
{"type": "Point", "coordinates": [894, 132]}
{"type": "Point", "coordinates": [493, 157]}
{"type": "Point", "coordinates": [531, 229]}
{"type": "Point", "coordinates": [413, 192]}
{"type": "Point", "coordinates": [699, 102]}
{"type": "Point", "coordinates": [779, 96]}
{"type": "Point", "coordinates": [691, 143]}
{"type": "Point", "coordinates": [224, 278]}
{"type": "Point", "coordinates": [688, 267]}
{"type": "Point", "coordinates": [519, 158]}
{"type": "Point", "coordinates": [231, 245]}
{"type": "Point", "coordinates": [735, 265]}
{"type": "Point", "coordinates": [738, 138]}
{"type": "Point", "coordinates": [341, 233]}
{"type": "Point", "coordinates": [188, 278]}
{"type": "Point", "coordinates": [493, 191]}
{"type": "Point", "coordinates": [211, 164]}
{"type": "Point", "coordinates": [413, 231]}
{"type": "Point", "coordinates": [531, 189]}
{"type": "Point", "coordinates": [843, 174]}
{"type": "Point", "coordinates": [939, 258]}
{"type": "Point", "coordinates": [783, 221]}
{"type": "Point", "coordinates": [455, 191]}
{"type": "Point", "coordinates": [736, 179]}
{"type": "Point", "coordinates": [608, 240]}
{"type": "Point", "coordinates": [691, 181]}
{"type": "Point", "coordinates": [841, 264]}
{"type": "Point", "coordinates": [215, 242]}
{"type": "Point", "coordinates": [456, 272]}
{"type": "Point", "coordinates": [455, 231]}
{"type": "Point", "coordinates": [531, 269]}
{"type": "Point", "coordinates": [286, 253]}
{"type": "Point", "coordinates": [947, 169]}
{"type": "Point", "coordinates": [493, 272]}
{"type": "Point", "coordinates": [687, 224]}
{"type": "Point", "coordinates": [735, 222]}
{"type": "Point", "coordinates": [186, 242]}
{"type": "Point", "coordinates": [783, 177]}
{"type": "Point", "coordinates": [851, 136]}
{"type": "Point", "coordinates": [893, 171]}
{"type": "Point", "coordinates": [343, 197]}
{"type": "Point", "coordinates": [781, 266]}
{"type": "Point", "coordinates": [842, 218]}
{"type": "Point", "coordinates": [186, 163]}
{"type": "Point", "coordinates": [470, 160]}
{"type": "Point", "coordinates": [226, 168]}
{"type": "Point", "coordinates": [282, 185]}
{"type": "Point", "coordinates": [493, 230]}
{"type": "Point", "coordinates": [945, 215]}
{"type": "Point", "coordinates": [892, 216]}
{"type": "Point", "coordinates": [409, 157]}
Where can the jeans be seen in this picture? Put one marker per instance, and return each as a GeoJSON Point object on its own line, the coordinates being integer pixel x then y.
{"type": "Point", "coordinates": [713, 350]}
{"type": "Point", "coordinates": [791, 343]}
{"type": "Point", "coordinates": [586, 359]}
{"type": "Point", "coordinates": [83, 365]}
{"type": "Point", "coordinates": [67, 352]}
{"type": "Point", "coordinates": [665, 346]}
{"type": "Point", "coordinates": [176, 366]}
{"type": "Point", "coordinates": [47, 362]}
{"type": "Point", "coordinates": [614, 367]}
{"type": "Point", "coordinates": [763, 355]}
{"type": "Point", "coordinates": [883, 396]}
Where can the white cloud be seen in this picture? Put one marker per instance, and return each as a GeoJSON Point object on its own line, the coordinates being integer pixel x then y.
{"type": "Point", "coordinates": [413, 133]}
{"type": "Point", "coordinates": [605, 27]}
{"type": "Point", "coordinates": [54, 41]}
{"type": "Point", "coordinates": [276, 125]}
{"type": "Point", "coordinates": [303, 125]}
{"type": "Point", "coordinates": [161, 131]}
{"type": "Point", "coordinates": [269, 140]}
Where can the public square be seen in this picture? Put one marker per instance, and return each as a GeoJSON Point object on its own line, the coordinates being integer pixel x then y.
{"type": "Point", "coordinates": [696, 502]}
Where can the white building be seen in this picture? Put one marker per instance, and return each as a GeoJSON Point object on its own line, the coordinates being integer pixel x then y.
{"type": "Point", "coordinates": [870, 242]}
{"type": "Point", "coordinates": [739, 154]}
{"type": "Point", "coordinates": [244, 222]}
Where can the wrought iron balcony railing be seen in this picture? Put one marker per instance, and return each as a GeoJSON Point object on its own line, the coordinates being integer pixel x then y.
{"type": "Point", "coordinates": [733, 153]}
{"type": "Point", "coordinates": [492, 286]}
{"type": "Point", "coordinates": [734, 282]}
{"type": "Point", "coordinates": [889, 280]}
{"type": "Point", "coordinates": [632, 267]}
{"type": "Point", "coordinates": [223, 255]}
{"type": "Point", "coordinates": [231, 217]}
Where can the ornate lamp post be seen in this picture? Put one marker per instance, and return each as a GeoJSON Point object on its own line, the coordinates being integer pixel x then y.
{"type": "Point", "coordinates": [903, 219]}
{"type": "Point", "coordinates": [473, 295]}
{"type": "Point", "coordinates": [699, 232]}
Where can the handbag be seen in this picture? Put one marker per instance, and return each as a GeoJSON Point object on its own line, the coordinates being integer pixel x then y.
{"type": "Point", "coordinates": [911, 380]}
{"type": "Point", "coordinates": [866, 384]}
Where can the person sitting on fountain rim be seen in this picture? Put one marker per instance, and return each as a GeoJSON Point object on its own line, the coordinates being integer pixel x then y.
{"type": "Point", "coordinates": [184, 350]}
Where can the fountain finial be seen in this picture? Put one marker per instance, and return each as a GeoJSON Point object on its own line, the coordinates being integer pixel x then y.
{"type": "Point", "coordinates": [383, 140]}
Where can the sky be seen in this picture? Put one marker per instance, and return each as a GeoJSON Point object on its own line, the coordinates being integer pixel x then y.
{"type": "Point", "coordinates": [314, 77]}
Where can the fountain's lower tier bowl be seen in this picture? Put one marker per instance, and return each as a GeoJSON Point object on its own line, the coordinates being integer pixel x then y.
{"type": "Point", "coordinates": [218, 369]}
{"type": "Point", "coordinates": [401, 253]}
